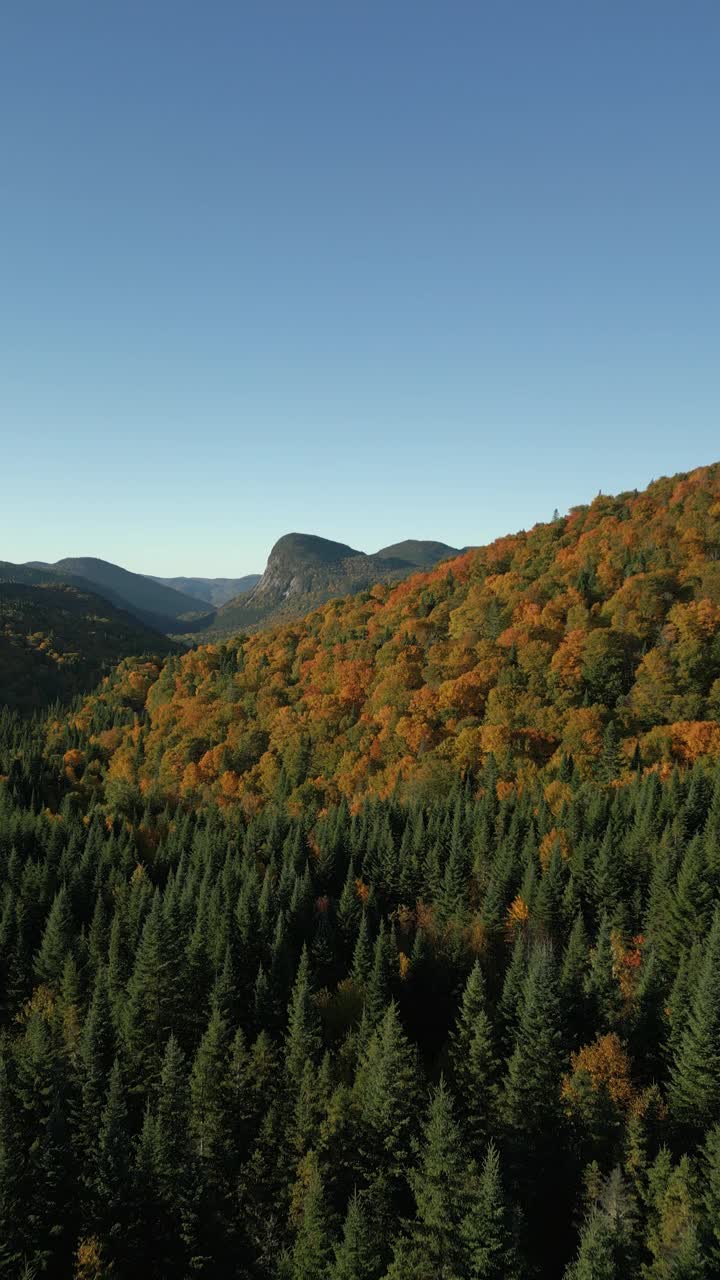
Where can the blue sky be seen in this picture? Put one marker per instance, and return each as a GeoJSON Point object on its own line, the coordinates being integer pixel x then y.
{"type": "Point", "coordinates": [370, 270]}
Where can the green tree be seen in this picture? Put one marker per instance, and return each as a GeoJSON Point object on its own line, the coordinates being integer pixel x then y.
{"type": "Point", "coordinates": [695, 1075]}
{"type": "Point", "coordinates": [487, 1229]}
{"type": "Point", "coordinates": [358, 1255]}
{"type": "Point", "coordinates": [313, 1244]}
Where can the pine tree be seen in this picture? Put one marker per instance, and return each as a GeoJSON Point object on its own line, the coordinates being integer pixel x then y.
{"type": "Point", "coordinates": [695, 1076]}
{"type": "Point", "coordinates": [533, 1114]}
{"type": "Point", "coordinates": [711, 1198]}
{"type": "Point", "coordinates": [97, 1053]}
{"type": "Point", "coordinates": [486, 1228]}
{"type": "Point", "coordinates": [209, 1099]}
{"type": "Point", "coordinates": [510, 1004]}
{"type": "Point", "coordinates": [146, 1021]}
{"type": "Point", "coordinates": [475, 1065]}
{"type": "Point", "coordinates": [386, 1092]}
{"type": "Point", "coordinates": [174, 1165]}
{"type": "Point", "coordinates": [672, 1236]}
{"type": "Point", "coordinates": [313, 1246]}
{"type": "Point", "coordinates": [573, 982]}
{"type": "Point", "coordinates": [439, 1188]}
{"type": "Point", "coordinates": [358, 1255]}
{"type": "Point", "coordinates": [378, 986]}
{"type": "Point", "coordinates": [113, 1168]}
{"type": "Point", "coordinates": [602, 986]}
{"type": "Point", "coordinates": [596, 1259]}
{"type": "Point", "coordinates": [303, 1039]}
{"type": "Point", "coordinates": [57, 940]}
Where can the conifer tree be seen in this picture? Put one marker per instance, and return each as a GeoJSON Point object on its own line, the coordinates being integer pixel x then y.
{"type": "Point", "coordinates": [209, 1119]}
{"type": "Point", "coordinates": [711, 1198]}
{"type": "Point", "coordinates": [357, 1255]}
{"type": "Point", "coordinates": [695, 1076]}
{"type": "Point", "coordinates": [56, 941]}
{"type": "Point", "coordinates": [97, 1053]}
{"type": "Point", "coordinates": [113, 1168]}
{"type": "Point", "coordinates": [474, 1064]}
{"type": "Point", "coordinates": [174, 1166]}
{"type": "Point", "coordinates": [302, 1043]}
{"type": "Point", "coordinates": [386, 1091]}
{"type": "Point", "coordinates": [436, 1246]}
{"type": "Point", "coordinates": [573, 982]}
{"type": "Point", "coordinates": [596, 1258]}
{"type": "Point", "coordinates": [602, 984]}
{"type": "Point", "coordinates": [486, 1228]}
{"type": "Point", "coordinates": [313, 1245]}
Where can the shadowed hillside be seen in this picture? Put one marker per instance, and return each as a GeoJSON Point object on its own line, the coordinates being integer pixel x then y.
{"type": "Point", "coordinates": [57, 641]}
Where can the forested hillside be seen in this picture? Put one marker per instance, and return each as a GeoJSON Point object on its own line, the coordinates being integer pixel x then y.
{"type": "Point", "coordinates": [57, 641]}
{"type": "Point", "coordinates": [596, 636]}
{"type": "Point", "coordinates": [384, 945]}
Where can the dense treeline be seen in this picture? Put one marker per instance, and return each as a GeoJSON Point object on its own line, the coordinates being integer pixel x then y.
{"type": "Point", "coordinates": [473, 1036]}
{"type": "Point", "coordinates": [605, 622]}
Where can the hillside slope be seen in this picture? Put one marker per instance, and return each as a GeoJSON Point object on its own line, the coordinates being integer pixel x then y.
{"type": "Point", "coordinates": [152, 601]}
{"type": "Point", "coordinates": [595, 637]}
{"type": "Point", "coordinates": [57, 641]}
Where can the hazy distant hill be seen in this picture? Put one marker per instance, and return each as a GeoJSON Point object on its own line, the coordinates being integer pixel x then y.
{"type": "Point", "coordinates": [153, 602]}
{"type": "Point", "coordinates": [214, 591]}
{"type": "Point", "coordinates": [304, 570]}
{"type": "Point", "coordinates": [418, 553]}
{"type": "Point", "coordinates": [57, 641]}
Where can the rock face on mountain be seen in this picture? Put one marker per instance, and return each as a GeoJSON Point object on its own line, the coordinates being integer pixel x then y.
{"type": "Point", "coordinates": [303, 571]}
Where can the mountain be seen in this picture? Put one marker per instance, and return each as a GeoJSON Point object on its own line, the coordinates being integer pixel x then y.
{"type": "Point", "coordinates": [595, 637]}
{"type": "Point", "coordinates": [57, 641]}
{"type": "Point", "coordinates": [213, 591]}
{"type": "Point", "coordinates": [154, 603]}
{"type": "Point", "coordinates": [304, 570]}
{"type": "Point", "coordinates": [418, 553]}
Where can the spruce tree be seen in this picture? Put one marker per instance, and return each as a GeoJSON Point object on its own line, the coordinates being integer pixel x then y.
{"type": "Point", "coordinates": [695, 1075]}
{"type": "Point", "coordinates": [302, 1043]}
{"type": "Point", "coordinates": [358, 1255]}
{"type": "Point", "coordinates": [113, 1169]}
{"type": "Point", "coordinates": [439, 1188]}
{"type": "Point", "coordinates": [313, 1244]}
{"type": "Point", "coordinates": [475, 1065]}
{"type": "Point", "coordinates": [57, 940]}
{"type": "Point", "coordinates": [487, 1229]}
{"type": "Point", "coordinates": [711, 1198]}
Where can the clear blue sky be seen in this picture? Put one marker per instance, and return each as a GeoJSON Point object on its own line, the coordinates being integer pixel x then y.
{"type": "Point", "coordinates": [369, 269]}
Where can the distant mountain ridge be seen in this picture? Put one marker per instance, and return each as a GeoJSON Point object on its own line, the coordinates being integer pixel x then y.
{"type": "Point", "coordinates": [156, 605]}
{"type": "Point", "coordinates": [303, 571]}
{"type": "Point", "coordinates": [212, 591]}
